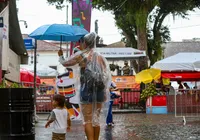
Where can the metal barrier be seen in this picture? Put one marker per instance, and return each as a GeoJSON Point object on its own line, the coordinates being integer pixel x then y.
{"type": "Point", "coordinates": [187, 103]}
{"type": "Point", "coordinates": [44, 95]}
{"type": "Point", "coordinates": [129, 99]}
{"type": "Point", "coordinates": [44, 103]}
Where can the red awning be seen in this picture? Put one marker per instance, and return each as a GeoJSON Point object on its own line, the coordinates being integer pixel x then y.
{"type": "Point", "coordinates": [182, 76]}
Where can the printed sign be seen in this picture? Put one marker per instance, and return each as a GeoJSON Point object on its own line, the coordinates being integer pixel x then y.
{"type": "Point", "coordinates": [125, 82]}
{"type": "Point", "coordinates": [29, 43]}
{"type": "Point", "coordinates": [120, 52]}
{"type": "Point", "coordinates": [1, 22]}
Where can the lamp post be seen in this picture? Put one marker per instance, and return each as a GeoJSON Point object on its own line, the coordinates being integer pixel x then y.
{"type": "Point", "coordinates": [96, 26]}
{"type": "Point", "coordinates": [66, 23]}
{"type": "Point", "coordinates": [35, 71]}
{"type": "Point", "coordinates": [25, 23]}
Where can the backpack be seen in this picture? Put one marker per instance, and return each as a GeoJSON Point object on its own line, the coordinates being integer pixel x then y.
{"type": "Point", "coordinates": [93, 75]}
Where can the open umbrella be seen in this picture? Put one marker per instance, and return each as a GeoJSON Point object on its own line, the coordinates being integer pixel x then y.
{"type": "Point", "coordinates": [27, 76]}
{"type": "Point", "coordinates": [59, 32]}
{"type": "Point", "coordinates": [146, 76]}
{"type": "Point", "coordinates": [42, 70]}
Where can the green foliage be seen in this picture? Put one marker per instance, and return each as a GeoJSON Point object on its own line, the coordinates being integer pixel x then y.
{"type": "Point", "coordinates": [13, 85]}
{"type": "Point", "coordinates": [149, 91]}
{"type": "Point", "coordinates": [112, 67]}
{"type": "Point", "coordinates": [16, 85]}
{"type": "Point", "coordinates": [146, 15]}
{"type": "Point", "coordinates": [3, 84]}
{"type": "Point", "coordinates": [58, 3]}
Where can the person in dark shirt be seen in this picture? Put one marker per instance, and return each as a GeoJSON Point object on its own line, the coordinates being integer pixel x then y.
{"type": "Point", "coordinates": [126, 68]}
{"type": "Point", "coordinates": [180, 87]}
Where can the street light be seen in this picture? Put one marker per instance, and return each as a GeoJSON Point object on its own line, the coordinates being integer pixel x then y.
{"type": "Point", "coordinates": [96, 26]}
{"type": "Point", "coordinates": [25, 23]}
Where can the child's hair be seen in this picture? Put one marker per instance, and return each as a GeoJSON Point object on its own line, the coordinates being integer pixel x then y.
{"type": "Point", "coordinates": [60, 99]}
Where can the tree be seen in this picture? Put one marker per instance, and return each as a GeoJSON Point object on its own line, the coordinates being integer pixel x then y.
{"type": "Point", "coordinates": [136, 13]}
{"type": "Point", "coordinates": [161, 33]}
{"type": "Point", "coordinates": [141, 21]}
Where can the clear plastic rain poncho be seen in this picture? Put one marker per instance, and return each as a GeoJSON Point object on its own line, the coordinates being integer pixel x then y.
{"type": "Point", "coordinates": [95, 80]}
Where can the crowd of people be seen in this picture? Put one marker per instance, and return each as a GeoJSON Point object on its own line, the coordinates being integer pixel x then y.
{"type": "Point", "coordinates": [168, 89]}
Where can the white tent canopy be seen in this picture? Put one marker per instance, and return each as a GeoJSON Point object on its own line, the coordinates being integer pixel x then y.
{"type": "Point", "coordinates": [120, 53]}
{"type": "Point", "coordinates": [180, 62]}
{"type": "Point", "coordinates": [42, 70]}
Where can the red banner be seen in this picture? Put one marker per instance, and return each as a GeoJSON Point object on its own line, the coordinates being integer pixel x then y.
{"type": "Point", "coordinates": [182, 76]}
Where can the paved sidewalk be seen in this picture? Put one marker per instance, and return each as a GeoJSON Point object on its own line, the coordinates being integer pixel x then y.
{"type": "Point", "coordinates": [134, 127]}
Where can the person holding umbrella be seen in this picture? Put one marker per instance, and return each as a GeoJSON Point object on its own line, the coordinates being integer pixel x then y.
{"type": "Point", "coordinates": [95, 81]}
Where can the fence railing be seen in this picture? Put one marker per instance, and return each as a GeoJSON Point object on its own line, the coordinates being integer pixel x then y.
{"type": "Point", "coordinates": [185, 103]}
{"type": "Point", "coordinates": [129, 99]}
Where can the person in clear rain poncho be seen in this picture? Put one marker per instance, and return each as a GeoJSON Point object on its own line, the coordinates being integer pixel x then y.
{"type": "Point", "coordinates": [95, 80]}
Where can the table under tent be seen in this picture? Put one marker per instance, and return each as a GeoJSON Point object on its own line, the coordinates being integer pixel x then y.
{"type": "Point", "coordinates": [185, 68]}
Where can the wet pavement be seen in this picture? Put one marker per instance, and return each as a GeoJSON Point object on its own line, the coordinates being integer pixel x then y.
{"type": "Point", "coordinates": [133, 127]}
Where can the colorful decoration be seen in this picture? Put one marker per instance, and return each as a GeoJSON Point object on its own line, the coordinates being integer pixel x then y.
{"type": "Point", "coordinates": [65, 84]}
{"type": "Point", "coordinates": [81, 16]}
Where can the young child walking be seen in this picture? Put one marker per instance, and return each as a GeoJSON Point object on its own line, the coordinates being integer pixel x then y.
{"type": "Point", "coordinates": [59, 117]}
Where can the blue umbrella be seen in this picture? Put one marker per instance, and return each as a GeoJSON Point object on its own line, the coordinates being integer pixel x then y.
{"type": "Point", "coordinates": [59, 32]}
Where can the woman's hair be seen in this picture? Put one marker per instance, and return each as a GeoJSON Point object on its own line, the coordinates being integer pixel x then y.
{"type": "Point", "coordinates": [90, 40]}
{"type": "Point", "coordinates": [60, 99]}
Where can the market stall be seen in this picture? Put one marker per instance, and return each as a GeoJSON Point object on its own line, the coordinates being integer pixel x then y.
{"type": "Point", "coordinates": [182, 67]}
{"type": "Point", "coordinates": [129, 89]}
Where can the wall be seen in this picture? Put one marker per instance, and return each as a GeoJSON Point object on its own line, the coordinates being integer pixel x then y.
{"type": "Point", "coordinates": [48, 58]}
{"type": "Point", "coordinates": [13, 66]}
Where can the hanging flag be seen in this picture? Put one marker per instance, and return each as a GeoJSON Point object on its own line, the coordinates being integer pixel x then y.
{"type": "Point", "coordinates": [81, 16]}
{"type": "Point", "coordinates": [4, 38]}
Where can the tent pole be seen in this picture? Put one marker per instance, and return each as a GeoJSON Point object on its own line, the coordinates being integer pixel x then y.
{"type": "Point", "coordinates": [35, 70]}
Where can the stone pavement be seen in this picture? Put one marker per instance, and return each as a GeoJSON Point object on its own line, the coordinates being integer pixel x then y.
{"type": "Point", "coordinates": [134, 127]}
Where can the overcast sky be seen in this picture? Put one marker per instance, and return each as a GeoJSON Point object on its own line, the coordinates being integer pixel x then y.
{"type": "Point", "coordinates": [39, 12]}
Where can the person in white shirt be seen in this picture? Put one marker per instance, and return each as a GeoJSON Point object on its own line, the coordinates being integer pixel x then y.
{"type": "Point", "coordinates": [59, 117]}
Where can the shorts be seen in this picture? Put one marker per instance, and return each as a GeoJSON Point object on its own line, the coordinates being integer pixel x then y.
{"type": "Point", "coordinates": [57, 136]}
{"type": "Point", "coordinates": [91, 95]}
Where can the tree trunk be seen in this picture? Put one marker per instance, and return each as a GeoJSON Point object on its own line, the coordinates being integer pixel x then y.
{"type": "Point", "coordinates": [142, 45]}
